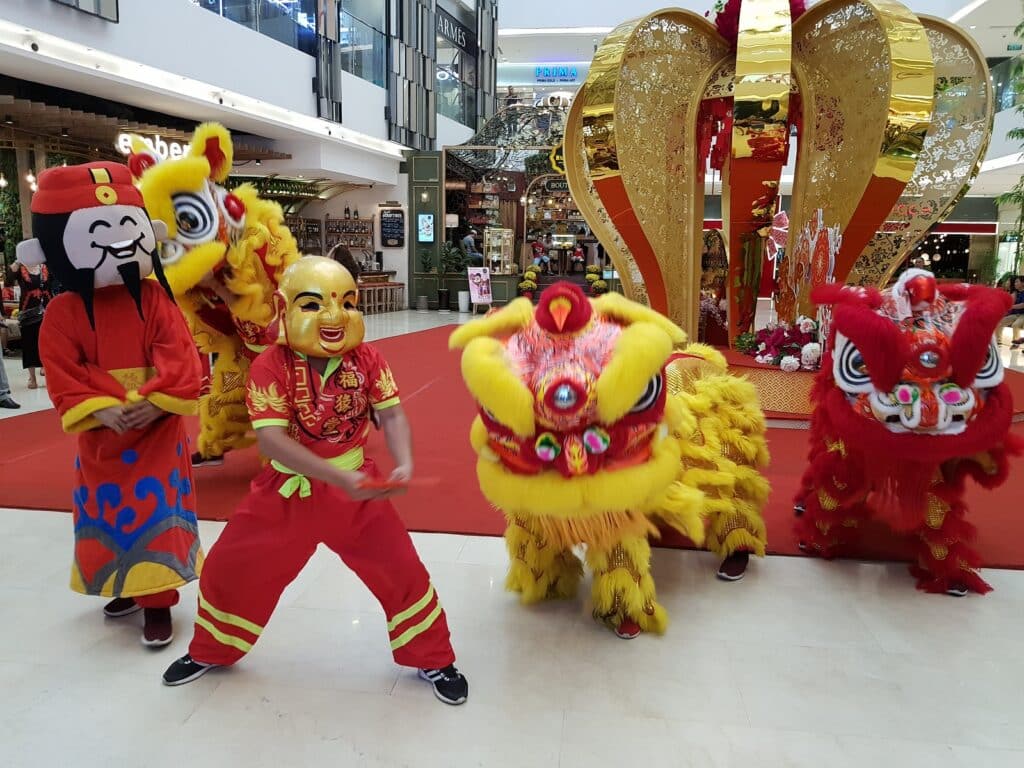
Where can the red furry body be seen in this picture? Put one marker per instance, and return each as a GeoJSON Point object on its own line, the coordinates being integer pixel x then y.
{"type": "Point", "coordinates": [909, 404]}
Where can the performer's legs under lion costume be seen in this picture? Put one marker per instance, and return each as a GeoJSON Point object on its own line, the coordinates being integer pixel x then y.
{"type": "Point", "coordinates": [592, 427]}
{"type": "Point", "coordinates": [224, 258]}
{"type": "Point", "coordinates": [909, 404]}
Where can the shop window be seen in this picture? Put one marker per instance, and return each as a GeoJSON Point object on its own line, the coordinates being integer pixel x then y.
{"type": "Point", "coordinates": [456, 57]}
{"type": "Point", "coordinates": [292, 22]}
{"type": "Point", "coordinates": [105, 9]}
{"type": "Point", "coordinates": [362, 49]}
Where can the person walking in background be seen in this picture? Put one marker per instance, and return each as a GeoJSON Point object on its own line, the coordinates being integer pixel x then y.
{"type": "Point", "coordinates": [36, 292]}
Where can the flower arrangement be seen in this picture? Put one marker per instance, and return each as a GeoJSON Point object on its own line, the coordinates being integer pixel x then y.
{"type": "Point", "coordinates": [598, 287]}
{"type": "Point", "coordinates": [711, 309]}
{"type": "Point", "coordinates": [791, 347]}
{"type": "Point", "coordinates": [591, 278]}
{"type": "Point", "coordinates": [527, 287]}
{"type": "Point", "coordinates": [593, 269]}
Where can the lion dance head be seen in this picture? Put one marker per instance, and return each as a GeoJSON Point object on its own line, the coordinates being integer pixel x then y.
{"type": "Point", "coordinates": [233, 236]}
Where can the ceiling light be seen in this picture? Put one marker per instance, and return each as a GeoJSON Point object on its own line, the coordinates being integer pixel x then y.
{"type": "Point", "coordinates": [967, 10]}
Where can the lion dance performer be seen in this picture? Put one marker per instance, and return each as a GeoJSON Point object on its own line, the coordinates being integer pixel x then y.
{"type": "Point", "coordinates": [121, 371]}
{"type": "Point", "coordinates": [909, 404]}
{"type": "Point", "coordinates": [591, 426]}
{"type": "Point", "coordinates": [310, 398]}
{"type": "Point", "coordinates": [224, 257]}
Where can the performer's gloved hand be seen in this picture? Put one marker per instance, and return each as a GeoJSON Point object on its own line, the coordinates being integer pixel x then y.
{"type": "Point", "coordinates": [141, 415]}
{"type": "Point", "coordinates": [113, 418]}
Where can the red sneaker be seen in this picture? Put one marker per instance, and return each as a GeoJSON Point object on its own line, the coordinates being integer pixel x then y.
{"type": "Point", "coordinates": [121, 606]}
{"type": "Point", "coordinates": [157, 630]}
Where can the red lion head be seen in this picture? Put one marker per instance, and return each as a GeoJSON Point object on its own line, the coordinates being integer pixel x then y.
{"type": "Point", "coordinates": [914, 372]}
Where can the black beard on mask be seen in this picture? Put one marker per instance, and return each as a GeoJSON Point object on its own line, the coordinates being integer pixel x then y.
{"type": "Point", "coordinates": [129, 273]}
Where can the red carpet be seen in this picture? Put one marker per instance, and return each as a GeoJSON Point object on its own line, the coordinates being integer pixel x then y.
{"type": "Point", "coordinates": [36, 466]}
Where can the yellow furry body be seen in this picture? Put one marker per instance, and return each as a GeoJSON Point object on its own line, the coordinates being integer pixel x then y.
{"type": "Point", "coordinates": [702, 477]}
{"type": "Point", "coordinates": [253, 261]}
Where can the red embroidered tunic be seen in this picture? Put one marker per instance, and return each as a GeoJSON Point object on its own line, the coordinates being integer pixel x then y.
{"type": "Point", "coordinates": [329, 413]}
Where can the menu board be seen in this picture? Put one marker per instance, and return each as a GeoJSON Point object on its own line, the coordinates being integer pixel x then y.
{"type": "Point", "coordinates": [392, 228]}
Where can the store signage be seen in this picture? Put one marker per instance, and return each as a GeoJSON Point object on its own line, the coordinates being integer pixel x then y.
{"type": "Point", "coordinates": [392, 228]}
{"type": "Point", "coordinates": [1013, 46]}
{"type": "Point", "coordinates": [556, 185]}
{"type": "Point", "coordinates": [556, 73]}
{"type": "Point", "coordinates": [459, 35]}
{"type": "Point", "coordinates": [165, 149]}
{"type": "Point", "coordinates": [557, 159]}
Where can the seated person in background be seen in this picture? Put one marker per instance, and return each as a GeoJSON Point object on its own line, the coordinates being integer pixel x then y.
{"type": "Point", "coordinates": [476, 259]}
{"type": "Point", "coordinates": [579, 258]}
{"type": "Point", "coordinates": [1015, 318]}
{"type": "Point", "coordinates": [540, 254]}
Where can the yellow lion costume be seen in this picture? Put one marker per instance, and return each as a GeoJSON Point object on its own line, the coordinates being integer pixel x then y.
{"type": "Point", "coordinates": [225, 254]}
{"type": "Point", "coordinates": [592, 426]}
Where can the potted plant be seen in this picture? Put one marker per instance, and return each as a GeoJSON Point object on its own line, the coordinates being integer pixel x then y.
{"type": "Point", "coordinates": [453, 262]}
{"type": "Point", "coordinates": [426, 262]}
{"type": "Point", "coordinates": [598, 287]}
{"type": "Point", "coordinates": [527, 287]}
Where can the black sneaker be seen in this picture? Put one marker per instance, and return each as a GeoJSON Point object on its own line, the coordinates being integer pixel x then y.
{"type": "Point", "coordinates": [957, 590]}
{"type": "Point", "coordinates": [198, 460]}
{"type": "Point", "coordinates": [185, 670]}
{"type": "Point", "coordinates": [8, 402]}
{"type": "Point", "coordinates": [450, 685]}
{"type": "Point", "coordinates": [121, 606]}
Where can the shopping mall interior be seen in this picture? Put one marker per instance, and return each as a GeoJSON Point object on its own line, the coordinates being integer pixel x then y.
{"type": "Point", "coordinates": [530, 200]}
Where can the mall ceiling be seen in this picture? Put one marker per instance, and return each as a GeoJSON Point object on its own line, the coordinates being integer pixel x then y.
{"type": "Point", "coordinates": [531, 31]}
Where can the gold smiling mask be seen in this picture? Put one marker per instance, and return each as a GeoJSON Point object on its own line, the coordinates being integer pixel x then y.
{"type": "Point", "coordinates": [316, 305]}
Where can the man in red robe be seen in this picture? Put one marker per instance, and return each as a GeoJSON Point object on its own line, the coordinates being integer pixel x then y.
{"type": "Point", "coordinates": [122, 371]}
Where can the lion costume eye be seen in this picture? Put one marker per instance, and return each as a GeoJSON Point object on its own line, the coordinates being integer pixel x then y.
{"type": "Point", "coordinates": [849, 368]}
{"type": "Point", "coordinates": [650, 396]}
{"type": "Point", "coordinates": [991, 372]}
{"type": "Point", "coordinates": [195, 217]}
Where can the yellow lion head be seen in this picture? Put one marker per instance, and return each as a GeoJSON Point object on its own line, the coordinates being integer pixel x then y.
{"type": "Point", "coordinates": [233, 236]}
{"type": "Point", "coordinates": [574, 419]}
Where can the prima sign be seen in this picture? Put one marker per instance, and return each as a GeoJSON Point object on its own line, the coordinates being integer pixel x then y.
{"type": "Point", "coordinates": [164, 149]}
{"type": "Point", "coordinates": [556, 73]}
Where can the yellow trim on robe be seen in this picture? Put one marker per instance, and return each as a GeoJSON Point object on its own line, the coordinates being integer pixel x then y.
{"type": "Point", "coordinates": [411, 634]}
{"type": "Point", "coordinates": [382, 406]}
{"type": "Point", "coordinates": [176, 405]}
{"type": "Point", "coordinates": [80, 418]}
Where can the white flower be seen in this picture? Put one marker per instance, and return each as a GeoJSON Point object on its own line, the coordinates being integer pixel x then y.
{"type": "Point", "coordinates": [762, 347]}
{"type": "Point", "coordinates": [810, 355]}
{"type": "Point", "coordinates": [790, 364]}
{"type": "Point", "coordinates": [806, 325]}
{"type": "Point", "coordinates": [763, 359]}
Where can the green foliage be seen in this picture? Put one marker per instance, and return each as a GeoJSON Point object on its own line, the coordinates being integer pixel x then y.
{"type": "Point", "coordinates": [745, 343]}
{"type": "Point", "coordinates": [527, 286]}
{"type": "Point", "coordinates": [1015, 197]}
{"type": "Point", "coordinates": [987, 266]}
{"type": "Point", "coordinates": [453, 260]}
{"type": "Point", "coordinates": [426, 261]}
{"type": "Point", "coordinates": [598, 287]}
{"type": "Point", "coordinates": [10, 205]}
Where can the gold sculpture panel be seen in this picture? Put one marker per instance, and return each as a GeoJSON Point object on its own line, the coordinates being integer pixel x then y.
{"type": "Point", "coordinates": [893, 115]}
{"type": "Point", "coordinates": [950, 160]}
{"type": "Point", "coordinates": [577, 173]}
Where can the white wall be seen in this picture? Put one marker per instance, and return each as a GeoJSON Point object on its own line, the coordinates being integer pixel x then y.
{"type": "Point", "coordinates": [367, 200]}
{"type": "Point", "coordinates": [450, 133]}
{"type": "Point", "coordinates": [362, 106]}
{"type": "Point", "coordinates": [178, 37]}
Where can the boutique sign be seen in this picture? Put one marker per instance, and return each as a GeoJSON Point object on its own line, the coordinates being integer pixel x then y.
{"type": "Point", "coordinates": [459, 35]}
{"type": "Point", "coordinates": [556, 73]}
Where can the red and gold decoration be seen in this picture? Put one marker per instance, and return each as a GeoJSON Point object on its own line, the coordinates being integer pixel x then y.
{"type": "Point", "coordinates": [891, 114]}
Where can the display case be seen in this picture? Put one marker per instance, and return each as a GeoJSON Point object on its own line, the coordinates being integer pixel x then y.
{"type": "Point", "coordinates": [563, 242]}
{"type": "Point", "coordinates": [308, 234]}
{"type": "Point", "coordinates": [498, 245]}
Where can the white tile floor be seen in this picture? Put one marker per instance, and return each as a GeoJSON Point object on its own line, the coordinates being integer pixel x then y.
{"type": "Point", "coordinates": [805, 663]}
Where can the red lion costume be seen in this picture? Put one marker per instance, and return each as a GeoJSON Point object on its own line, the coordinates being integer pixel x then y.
{"type": "Point", "coordinates": [910, 402]}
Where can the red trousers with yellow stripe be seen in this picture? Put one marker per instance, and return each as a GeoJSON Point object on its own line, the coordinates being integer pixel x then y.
{"type": "Point", "coordinates": [269, 540]}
